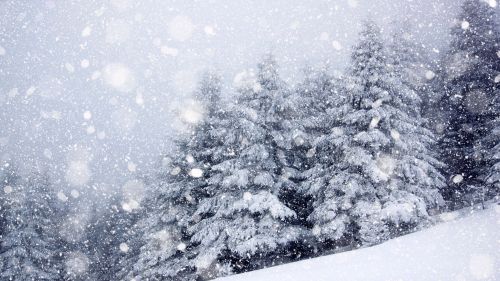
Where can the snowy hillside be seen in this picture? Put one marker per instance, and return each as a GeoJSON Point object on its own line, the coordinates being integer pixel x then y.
{"type": "Point", "coordinates": [459, 249]}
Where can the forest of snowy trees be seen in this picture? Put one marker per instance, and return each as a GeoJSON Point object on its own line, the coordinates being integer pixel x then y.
{"type": "Point", "coordinates": [277, 173]}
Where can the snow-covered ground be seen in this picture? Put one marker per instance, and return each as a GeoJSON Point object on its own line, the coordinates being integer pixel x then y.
{"type": "Point", "coordinates": [460, 248]}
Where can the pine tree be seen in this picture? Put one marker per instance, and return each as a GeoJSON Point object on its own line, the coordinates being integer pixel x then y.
{"type": "Point", "coordinates": [469, 90]}
{"type": "Point", "coordinates": [380, 177]}
{"type": "Point", "coordinates": [320, 103]}
{"type": "Point", "coordinates": [8, 180]}
{"type": "Point", "coordinates": [28, 246]}
{"type": "Point", "coordinates": [492, 187]}
{"type": "Point", "coordinates": [407, 54]}
{"type": "Point", "coordinates": [126, 242]}
{"type": "Point", "coordinates": [167, 252]}
{"type": "Point", "coordinates": [112, 240]}
{"type": "Point", "coordinates": [243, 217]}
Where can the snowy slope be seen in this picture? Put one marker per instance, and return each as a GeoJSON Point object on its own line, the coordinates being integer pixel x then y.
{"type": "Point", "coordinates": [465, 248]}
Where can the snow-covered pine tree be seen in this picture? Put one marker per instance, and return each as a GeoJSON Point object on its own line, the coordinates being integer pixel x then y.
{"type": "Point", "coordinates": [492, 187]}
{"type": "Point", "coordinates": [129, 244]}
{"type": "Point", "coordinates": [166, 251]}
{"type": "Point", "coordinates": [469, 92]}
{"type": "Point", "coordinates": [8, 180]}
{"type": "Point", "coordinates": [28, 248]}
{"type": "Point", "coordinates": [243, 217]}
{"type": "Point", "coordinates": [383, 177]}
{"type": "Point", "coordinates": [289, 140]}
{"type": "Point", "coordinates": [412, 61]}
{"type": "Point", "coordinates": [112, 240]}
{"type": "Point", "coordinates": [320, 103]}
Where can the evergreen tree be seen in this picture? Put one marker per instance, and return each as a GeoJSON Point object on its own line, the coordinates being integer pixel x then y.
{"type": "Point", "coordinates": [320, 103]}
{"type": "Point", "coordinates": [469, 94]}
{"type": "Point", "coordinates": [167, 252]}
{"type": "Point", "coordinates": [409, 58]}
{"type": "Point", "coordinates": [243, 217]}
{"type": "Point", "coordinates": [8, 180]}
{"type": "Point", "coordinates": [493, 171]}
{"type": "Point", "coordinates": [28, 246]}
{"type": "Point", "coordinates": [381, 176]}
{"type": "Point", "coordinates": [111, 239]}
{"type": "Point", "coordinates": [126, 243]}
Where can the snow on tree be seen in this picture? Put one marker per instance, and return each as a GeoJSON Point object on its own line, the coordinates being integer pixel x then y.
{"type": "Point", "coordinates": [492, 178]}
{"type": "Point", "coordinates": [112, 240]}
{"type": "Point", "coordinates": [172, 200]}
{"type": "Point", "coordinates": [407, 54]}
{"type": "Point", "coordinates": [381, 177]}
{"type": "Point", "coordinates": [29, 249]}
{"type": "Point", "coordinates": [469, 93]}
{"type": "Point", "coordinates": [242, 216]}
{"type": "Point", "coordinates": [320, 103]}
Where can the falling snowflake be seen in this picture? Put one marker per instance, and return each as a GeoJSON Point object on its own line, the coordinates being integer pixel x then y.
{"type": "Point", "coordinates": [196, 173]}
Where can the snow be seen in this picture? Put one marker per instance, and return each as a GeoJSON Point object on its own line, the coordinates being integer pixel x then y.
{"type": "Point", "coordinates": [101, 135]}
{"type": "Point", "coordinates": [2, 51]}
{"type": "Point", "coordinates": [124, 247]}
{"type": "Point", "coordinates": [87, 115]}
{"type": "Point", "coordinates": [74, 193]}
{"type": "Point", "coordinates": [196, 173]}
{"type": "Point", "coordinates": [47, 153]}
{"type": "Point", "coordinates": [209, 30]}
{"type": "Point", "coordinates": [166, 50]}
{"type": "Point", "coordinates": [69, 67]}
{"type": "Point", "coordinates": [133, 191]}
{"type": "Point", "coordinates": [181, 28]}
{"type": "Point", "coordinates": [336, 45]}
{"type": "Point", "coordinates": [247, 196]}
{"type": "Point", "coordinates": [181, 247]}
{"type": "Point", "coordinates": [77, 263]}
{"type": "Point", "coordinates": [78, 173]}
{"type": "Point", "coordinates": [117, 31]}
{"type": "Point", "coordinates": [124, 119]}
{"type": "Point", "coordinates": [395, 134]}
{"type": "Point", "coordinates": [61, 196]}
{"type": "Point", "coordinates": [7, 189]}
{"type": "Point", "coordinates": [465, 24]}
{"type": "Point", "coordinates": [85, 63]}
{"type": "Point", "coordinates": [374, 122]}
{"type": "Point", "coordinates": [461, 249]}
{"type": "Point", "coordinates": [175, 171]}
{"type": "Point", "coordinates": [119, 76]}
{"type": "Point", "coordinates": [353, 3]}
{"type": "Point", "coordinates": [131, 167]}
{"type": "Point", "coordinates": [457, 179]}
{"type": "Point", "coordinates": [121, 5]}
{"type": "Point", "coordinates": [86, 31]}
{"type": "Point", "coordinates": [429, 74]}
{"type": "Point", "coordinates": [492, 3]}
{"type": "Point", "coordinates": [192, 112]}
{"type": "Point", "coordinates": [31, 90]}
{"type": "Point", "coordinates": [90, 130]}
{"type": "Point", "coordinates": [190, 158]}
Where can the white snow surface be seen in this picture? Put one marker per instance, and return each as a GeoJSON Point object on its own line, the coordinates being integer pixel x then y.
{"type": "Point", "coordinates": [465, 248]}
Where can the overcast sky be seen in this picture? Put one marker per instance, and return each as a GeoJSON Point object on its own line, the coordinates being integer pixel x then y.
{"type": "Point", "coordinates": [92, 90]}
